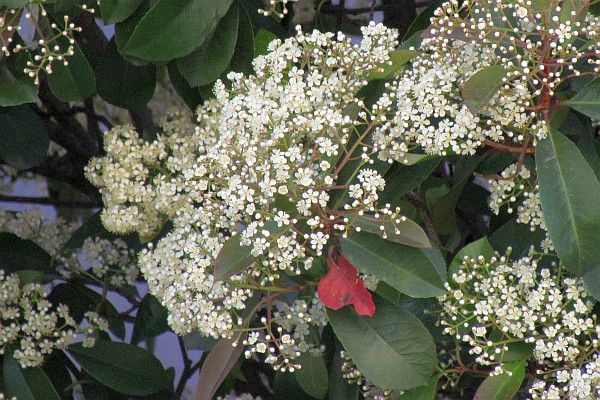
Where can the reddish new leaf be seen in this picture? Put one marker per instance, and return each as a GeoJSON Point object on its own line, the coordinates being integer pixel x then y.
{"type": "Point", "coordinates": [341, 287]}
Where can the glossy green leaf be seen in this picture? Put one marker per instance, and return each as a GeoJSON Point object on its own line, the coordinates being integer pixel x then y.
{"type": "Point", "coordinates": [23, 136]}
{"type": "Point", "coordinates": [587, 101]}
{"type": "Point", "coordinates": [65, 6]}
{"type": "Point", "coordinates": [114, 11]}
{"type": "Point", "coordinates": [56, 367]}
{"type": "Point", "coordinates": [405, 268]}
{"type": "Point", "coordinates": [205, 64]}
{"type": "Point", "coordinates": [312, 377]}
{"type": "Point", "coordinates": [423, 20]}
{"type": "Point", "coordinates": [569, 193]}
{"type": "Point", "coordinates": [75, 81]}
{"type": "Point", "coordinates": [262, 39]}
{"type": "Point", "coordinates": [82, 299]}
{"type": "Point", "coordinates": [234, 258]}
{"type": "Point", "coordinates": [393, 348]}
{"type": "Point", "coordinates": [15, 86]}
{"type": "Point", "coordinates": [339, 387]}
{"type": "Point", "coordinates": [14, 91]}
{"type": "Point", "coordinates": [13, 3]}
{"type": "Point", "coordinates": [287, 388]}
{"type": "Point", "coordinates": [444, 210]}
{"type": "Point", "coordinates": [592, 282]}
{"type": "Point", "coordinates": [191, 96]}
{"type": "Point", "coordinates": [504, 386]}
{"type": "Point", "coordinates": [150, 320]}
{"type": "Point", "coordinates": [427, 392]}
{"type": "Point", "coordinates": [243, 54]}
{"type": "Point", "coordinates": [190, 21]}
{"type": "Point", "coordinates": [124, 29]}
{"type": "Point", "coordinates": [402, 179]}
{"type": "Point", "coordinates": [122, 83]}
{"type": "Point", "coordinates": [19, 254]}
{"type": "Point", "coordinates": [405, 232]}
{"type": "Point", "coordinates": [397, 59]}
{"type": "Point", "coordinates": [216, 367]}
{"type": "Point", "coordinates": [473, 250]}
{"type": "Point", "coordinates": [482, 86]}
{"type": "Point", "coordinates": [126, 368]}
{"type": "Point", "coordinates": [26, 384]}
{"type": "Point", "coordinates": [518, 237]}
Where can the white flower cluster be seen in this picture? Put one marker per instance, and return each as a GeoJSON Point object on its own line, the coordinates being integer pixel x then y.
{"type": "Point", "coordinates": [101, 259]}
{"type": "Point", "coordinates": [49, 233]}
{"type": "Point", "coordinates": [492, 304]}
{"type": "Point", "coordinates": [258, 168]}
{"type": "Point", "coordinates": [3, 397]}
{"type": "Point", "coordinates": [519, 31]}
{"type": "Point", "coordinates": [47, 49]}
{"type": "Point", "coordinates": [29, 322]}
{"type": "Point", "coordinates": [514, 187]}
{"type": "Point", "coordinates": [291, 337]}
{"type": "Point", "coordinates": [429, 110]}
{"type": "Point", "coordinates": [108, 261]}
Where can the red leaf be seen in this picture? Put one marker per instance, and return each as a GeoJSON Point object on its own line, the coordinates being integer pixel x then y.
{"type": "Point", "coordinates": [341, 287]}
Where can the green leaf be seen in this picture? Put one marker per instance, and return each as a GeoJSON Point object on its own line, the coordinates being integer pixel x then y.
{"type": "Point", "coordinates": [190, 21]}
{"type": "Point", "coordinates": [126, 368]}
{"type": "Point", "coordinates": [114, 11]}
{"type": "Point", "coordinates": [406, 269]}
{"type": "Point", "coordinates": [569, 193]}
{"type": "Point", "coordinates": [75, 81]}
{"type": "Point", "coordinates": [26, 384]}
{"type": "Point", "coordinates": [191, 96]}
{"type": "Point", "coordinates": [339, 388]}
{"type": "Point", "coordinates": [444, 210]}
{"type": "Point", "coordinates": [15, 86]}
{"type": "Point", "coordinates": [122, 83]}
{"type": "Point", "coordinates": [587, 101]}
{"type": "Point", "coordinates": [397, 59]}
{"type": "Point", "coordinates": [23, 136]}
{"type": "Point", "coordinates": [405, 232]}
{"type": "Point", "coordinates": [504, 386]}
{"type": "Point", "coordinates": [393, 348]}
{"type": "Point", "coordinates": [482, 86]}
{"type": "Point", "coordinates": [150, 320]}
{"type": "Point", "coordinates": [234, 258]}
{"type": "Point", "coordinates": [287, 388]}
{"type": "Point", "coordinates": [402, 179]}
{"type": "Point", "coordinates": [13, 3]}
{"type": "Point", "coordinates": [19, 254]}
{"type": "Point", "coordinates": [262, 39]}
{"type": "Point", "coordinates": [205, 64]}
{"type": "Point", "coordinates": [217, 366]}
{"type": "Point", "coordinates": [481, 247]}
{"type": "Point", "coordinates": [423, 20]}
{"type": "Point", "coordinates": [312, 377]}
{"type": "Point", "coordinates": [427, 392]}
{"type": "Point", "coordinates": [518, 237]}
{"type": "Point", "coordinates": [82, 299]}
{"type": "Point", "coordinates": [592, 282]}
{"type": "Point", "coordinates": [243, 54]}
{"type": "Point", "coordinates": [15, 90]}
